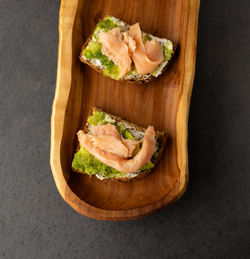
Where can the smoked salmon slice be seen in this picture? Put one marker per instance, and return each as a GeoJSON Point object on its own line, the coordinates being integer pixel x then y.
{"type": "Point", "coordinates": [105, 130]}
{"type": "Point", "coordinates": [110, 130]}
{"type": "Point", "coordinates": [103, 152]}
{"type": "Point", "coordinates": [122, 47]}
{"type": "Point", "coordinates": [145, 57]}
{"type": "Point", "coordinates": [110, 144]}
{"type": "Point", "coordinates": [116, 49]}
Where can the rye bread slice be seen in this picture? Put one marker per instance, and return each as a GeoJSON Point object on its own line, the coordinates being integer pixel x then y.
{"type": "Point", "coordinates": [141, 79]}
{"type": "Point", "coordinates": [162, 139]}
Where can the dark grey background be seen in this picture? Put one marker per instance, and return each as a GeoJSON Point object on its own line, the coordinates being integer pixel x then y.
{"type": "Point", "coordinates": [212, 220]}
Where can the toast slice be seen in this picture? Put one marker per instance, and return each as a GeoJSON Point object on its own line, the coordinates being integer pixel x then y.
{"type": "Point", "coordinates": [135, 131]}
{"type": "Point", "coordinates": [91, 54]}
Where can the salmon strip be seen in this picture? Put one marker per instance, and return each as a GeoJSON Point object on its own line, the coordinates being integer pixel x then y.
{"type": "Point", "coordinates": [110, 144]}
{"type": "Point", "coordinates": [107, 130]}
{"type": "Point", "coordinates": [117, 162]}
{"type": "Point", "coordinates": [154, 50]}
{"type": "Point", "coordinates": [145, 57]}
{"type": "Point", "coordinates": [111, 130]}
{"type": "Point", "coordinates": [116, 49]}
{"type": "Point", "coordinates": [130, 42]}
{"type": "Point", "coordinates": [130, 144]}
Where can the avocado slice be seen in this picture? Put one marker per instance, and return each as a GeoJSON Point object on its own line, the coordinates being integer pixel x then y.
{"type": "Point", "coordinates": [127, 135]}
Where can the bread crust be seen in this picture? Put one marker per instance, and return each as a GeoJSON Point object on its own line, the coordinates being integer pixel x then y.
{"type": "Point", "coordinates": [131, 80]}
{"type": "Point", "coordinates": [161, 141]}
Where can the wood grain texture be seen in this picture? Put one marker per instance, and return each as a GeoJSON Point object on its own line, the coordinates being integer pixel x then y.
{"type": "Point", "coordinates": [163, 103]}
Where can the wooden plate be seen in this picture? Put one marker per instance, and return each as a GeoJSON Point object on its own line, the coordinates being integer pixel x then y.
{"type": "Point", "coordinates": [164, 103]}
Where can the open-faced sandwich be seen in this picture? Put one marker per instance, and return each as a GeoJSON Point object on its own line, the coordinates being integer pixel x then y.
{"type": "Point", "coordinates": [114, 149]}
{"type": "Point", "coordinates": [125, 53]}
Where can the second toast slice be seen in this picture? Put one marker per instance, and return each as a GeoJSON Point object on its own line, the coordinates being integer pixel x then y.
{"type": "Point", "coordinates": [86, 163]}
{"type": "Point", "coordinates": [92, 53]}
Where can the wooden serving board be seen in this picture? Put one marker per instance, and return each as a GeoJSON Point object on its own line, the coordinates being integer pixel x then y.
{"type": "Point", "coordinates": [163, 103]}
